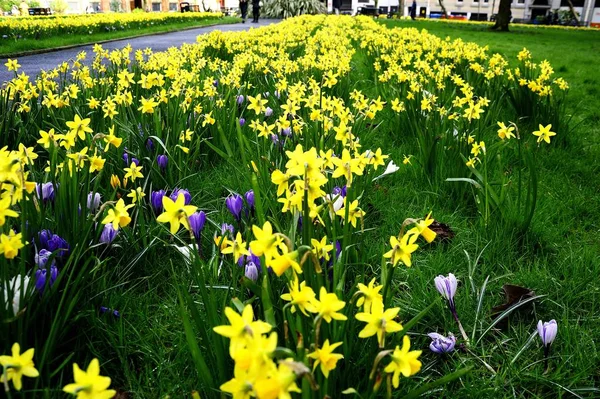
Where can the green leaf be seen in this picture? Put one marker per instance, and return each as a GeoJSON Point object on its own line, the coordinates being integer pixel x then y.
{"type": "Point", "coordinates": [440, 381]}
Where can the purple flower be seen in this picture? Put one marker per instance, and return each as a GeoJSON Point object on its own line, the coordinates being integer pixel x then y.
{"type": "Point", "coordinates": [547, 331]}
{"type": "Point", "coordinates": [135, 161]}
{"type": "Point", "coordinates": [41, 276]}
{"type": "Point", "coordinates": [45, 191]}
{"type": "Point", "coordinates": [216, 83]}
{"type": "Point", "coordinates": [186, 195]}
{"type": "Point", "coordinates": [441, 344]}
{"type": "Point", "coordinates": [162, 161]}
{"type": "Point", "coordinates": [108, 234]}
{"type": "Point", "coordinates": [149, 144]}
{"type": "Point", "coordinates": [268, 111]}
{"type": "Point", "coordinates": [93, 201]}
{"type": "Point", "coordinates": [242, 122]}
{"type": "Point", "coordinates": [240, 99]}
{"type": "Point", "coordinates": [446, 286]}
{"type": "Point", "coordinates": [156, 200]}
{"type": "Point", "coordinates": [42, 257]}
{"type": "Point", "coordinates": [126, 157]}
{"type": "Point", "coordinates": [234, 204]}
{"type": "Point", "coordinates": [287, 132]}
{"type": "Point", "coordinates": [251, 271]}
{"type": "Point", "coordinates": [53, 242]}
{"type": "Point", "coordinates": [116, 313]}
{"type": "Point", "coordinates": [197, 221]}
{"type": "Point", "coordinates": [103, 309]}
{"type": "Point", "coordinates": [275, 140]}
{"type": "Point", "coordinates": [227, 227]}
{"type": "Point", "coordinates": [249, 196]}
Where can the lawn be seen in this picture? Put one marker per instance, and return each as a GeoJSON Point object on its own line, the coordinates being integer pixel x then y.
{"type": "Point", "coordinates": [540, 233]}
{"type": "Point", "coordinates": [98, 31]}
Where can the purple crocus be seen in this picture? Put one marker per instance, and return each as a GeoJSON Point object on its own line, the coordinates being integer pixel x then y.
{"type": "Point", "coordinates": [108, 234]}
{"type": "Point", "coordinates": [41, 275]}
{"type": "Point", "coordinates": [251, 271]}
{"type": "Point", "coordinates": [268, 111]}
{"type": "Point", "coordinates": [197, 221]}
{"type": "Point", "coordinates": [547, 331]}
{"type": "Point", "coordinates": [156, 201]}
{"type": "Point", "coordinates": [186, 195]}
{"type": "Point", "coordinates": [242, 122]}
{"type": "Point", "coordinates": [93, 201]}
{"type": "Point", "coordinates": [240, 99]}
{"type": "Point", "coordinates": [249, 196]}
{"type": "Point", "coordinates": [126, 157]}
{"type": "Point", "coordinates": [135, 161]}
{"type": "Point", "coordinates": [53, 242]}
{"type": "Point", "coordinates": [45, 191]}
{"type": "Point", "coordinates": [234, 204]}
{"type": "Point", "coordinates": [446, 286]}
{"type": "Point", "coordinates": [149, 144]}
{"type": "Point", "coordinates": [441, 344]}
{"type": "Point", "coordinates": [162, 161]}
{"type": "Point", "coordinates": [227, 228]}
{"type": "Point", "coordinates": [42, 257]}
{"type": "Point", "coordinates": [287, 132]}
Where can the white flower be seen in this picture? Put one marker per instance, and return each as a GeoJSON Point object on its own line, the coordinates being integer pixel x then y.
{"type": "Point", "coordinates": [18, 287]}
{"type": "Point", "coordinates": [391, 168]}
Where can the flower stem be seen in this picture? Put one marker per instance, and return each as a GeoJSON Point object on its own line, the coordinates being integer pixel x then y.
{"type": "Point", "coordinates": [460, 327]}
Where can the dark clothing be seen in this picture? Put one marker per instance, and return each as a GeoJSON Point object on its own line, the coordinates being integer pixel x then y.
{"type": "Point", "coordinates": [413, 10]}
{"type": "Point", "coordinates": [337, 4]}
{"type": "Point", "coordinates": [255, 10]}
{"type": "Point", "coordinates": [244, 9]}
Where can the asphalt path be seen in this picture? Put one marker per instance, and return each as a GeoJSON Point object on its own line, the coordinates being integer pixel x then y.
{"type": "Point", "coordinates": [33, 64]}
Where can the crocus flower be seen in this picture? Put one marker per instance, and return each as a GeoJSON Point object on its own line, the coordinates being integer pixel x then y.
{"type": "Point", "coordinates": [45, 191]}
{"type": "Point", "coordinates": [156, 201]}
{"type": "Point", "coordinates": [234, 204]}
{"type": "Point", "coordinates": [242, 122]}
{"type": "Point", "coordinates": [53, 242]}
{"type": "Point", "coordinates": [240, 99]}
{"type": "Point", "coordinates": [197, 221]}
{"type": "Point", "coordinates": [441, 344]}
{"type": "Point", "coordinates": [227, 227]}
{"type": "Point", "coordinates": [446, 286]}
{"type": "Point", "coordinates": [249, 196]}
{"type": "Point", "coordinates": [42, 274]}
{"type": "Point", "coordinates": [287, 132]}
{"type": "Point", "coordinates": [93, 201]}
{"type": "Point", "coordinates": [149, 144]}
{"type": "Point", "coordinates": [135, 161]}
{"type": "Point", "coordinates": [547, 331]}
{"type": "Point", "coordinates": [186, 194]}
{"type": "Point", "coordinates": [268, 111]}
{"type": "Point", "coordinates": [126, 157]}
{"type": "Point", "coordinates": [42, 257]}
{"type": "Point", "coordinates": [162, 161]}
{"type": "Point", "coordinates": [251, 271]}
{"type": "Point", "coordinates": [108, 234]}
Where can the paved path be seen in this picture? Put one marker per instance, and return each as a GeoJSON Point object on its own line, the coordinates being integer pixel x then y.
{"type": "Point", "coordinates": [33, 64]}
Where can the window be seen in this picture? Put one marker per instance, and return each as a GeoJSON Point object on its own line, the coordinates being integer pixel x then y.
{"type": "Point", "coordinates": [521, 2]}
{"type": "Point", "coordinates": [475, 1]}
{"type": "Point", "coordinates": [155, 6]}
{"type": "Point", "coordinates": [172, 6]}
{"type": "Point", "coordinates": [486, 1]}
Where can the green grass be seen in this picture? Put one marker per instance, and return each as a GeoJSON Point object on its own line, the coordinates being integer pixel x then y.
{"type": "Point", "coordinates": [146, 353]}
{"type": "Point", "coordinates": [19, 47]}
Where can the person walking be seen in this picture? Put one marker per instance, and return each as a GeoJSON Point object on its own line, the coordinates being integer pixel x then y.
{"type": "Point", "coordinates": [256, 10]}
{"type": "Point", "coordinates": [244, 9]}
{"type": "Point", "coordinates": [337, 4]}
{"type": "Point", "coordinates": [413, 10]}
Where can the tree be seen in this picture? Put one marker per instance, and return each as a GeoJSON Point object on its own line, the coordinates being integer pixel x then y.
{"type": "Point", "coordinates": [443, 8]}
{"type": "Point", "coordinates": [503, 17]}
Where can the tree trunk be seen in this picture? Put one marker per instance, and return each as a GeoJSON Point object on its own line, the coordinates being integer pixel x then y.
{"type": "Point", "coordinates": [503, 17]}
{"type": "Point", "coordinates": [443, 8]}
{"type": "Point", "coordinates": [401, 8]}
{"type": "Point", "coordinates": [573, 12]}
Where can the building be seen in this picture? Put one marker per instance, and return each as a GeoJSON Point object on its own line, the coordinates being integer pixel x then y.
{"type": "Point", "coordinates": [480, 10]}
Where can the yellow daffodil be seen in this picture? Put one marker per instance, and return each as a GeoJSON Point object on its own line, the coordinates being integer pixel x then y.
{"type": "Point", "coordinates": [90, 384]}
{"type": "Point", "coordinates": [18, 365]}
{"type": "Point", "coordinates": [325, 357]}
{"type": "Point", "coordinates": [176, 213]}
{"type": "Point", "coordinates": [404, 361]}
{"type": "Point", "coordinates": [544, 133]}
{"type": "Point", "coordinates": [329, 306]}
{"type": "Point", "coordinates": [402, 249]}
{"type": "Point", "coordinates": [379, 321]}
{"type": "Point", "coordinates": [118, 215]}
